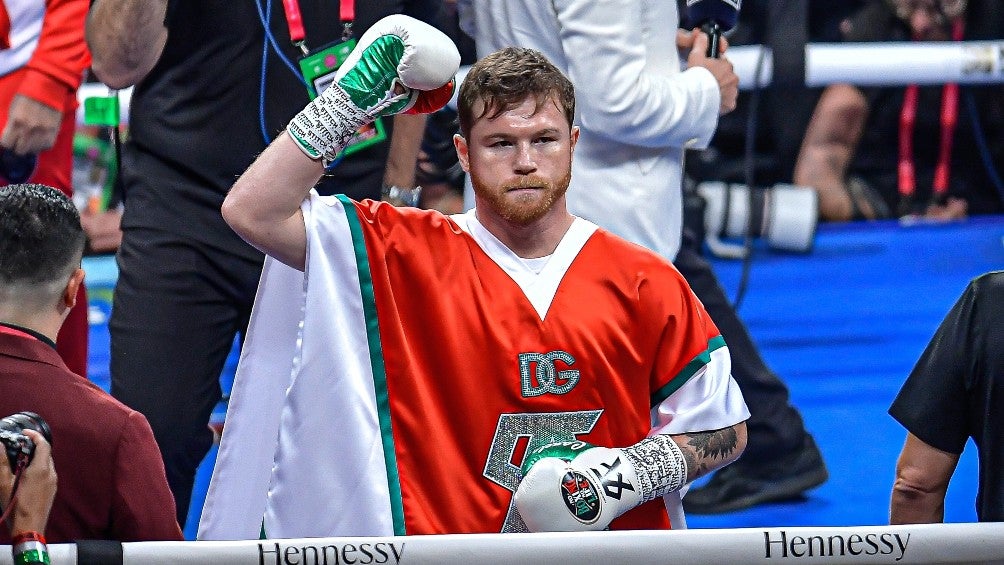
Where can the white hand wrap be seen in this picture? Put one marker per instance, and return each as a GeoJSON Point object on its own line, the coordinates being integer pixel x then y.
{"type": "Point", "coordinates": [660, 465]}
{"type": "Point", "coordinates": [326, 125]}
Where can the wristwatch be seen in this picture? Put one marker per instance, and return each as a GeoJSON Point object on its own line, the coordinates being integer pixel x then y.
{"type": "Point", "coordinates": [399, 196]}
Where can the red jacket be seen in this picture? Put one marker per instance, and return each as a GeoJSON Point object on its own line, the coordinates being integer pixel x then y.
{"type": "Point", "coordinates": [112, 483]}
{"type": "Point", "coordinates": [58, 62]}
{"type": "Point", "coordinates": [4, 27]}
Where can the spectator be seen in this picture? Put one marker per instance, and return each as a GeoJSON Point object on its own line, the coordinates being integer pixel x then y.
{"type": "Point", "coordinates": [111, 479]}
{"type": "Point", "coordinates": [931, 151]}
{"type": "Point", "coordinates": [214, 84]}
{"type": "Point", "coordinates": [641, 369]}
{"type": "Point", "coordinates": [635, 123]}
{"type": "Point", "coordinates": [953, 394]}
{"type": "Point", "coordinates": [40, 72]}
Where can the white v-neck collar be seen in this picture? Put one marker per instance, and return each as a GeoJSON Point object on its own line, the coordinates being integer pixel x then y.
{"type": "Point", "coordinates": [539, 288]}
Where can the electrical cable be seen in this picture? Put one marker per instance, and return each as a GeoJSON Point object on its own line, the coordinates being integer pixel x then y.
{"type": "Point", "coordinates": [981, 144]}
{"type": "Point", "coordinates": [118, 188]}
{"type": "Point", "coordinates": [750, 176]}
{"type": "Point", "coordinates": [265, 16]}
{"type": "Point", "coordinates": [264, 67]}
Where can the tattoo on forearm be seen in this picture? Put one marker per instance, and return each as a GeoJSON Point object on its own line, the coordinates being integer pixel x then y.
{"type": "Point", "coordinates": [707, 450]}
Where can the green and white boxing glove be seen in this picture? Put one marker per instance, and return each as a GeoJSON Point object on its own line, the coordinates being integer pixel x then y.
{"type": "Point", "coordinates": [576, 486]}
{"type": "Point", "coordinates": [399, 65]}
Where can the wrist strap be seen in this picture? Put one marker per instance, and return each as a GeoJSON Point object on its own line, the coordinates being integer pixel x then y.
{"type": "Point", "coordinates": [29, 548]}
{"type": "Point", "coordinates": [659, 464]}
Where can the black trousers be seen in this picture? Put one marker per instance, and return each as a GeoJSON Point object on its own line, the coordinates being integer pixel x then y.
{"type": "Point", "coordinates": [177, 308]}
{"type": "Point", "coordinates": [775, 427]}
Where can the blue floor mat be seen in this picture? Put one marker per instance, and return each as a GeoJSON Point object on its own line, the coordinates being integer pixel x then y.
{"type": "Point", "coordinates": [843, 326]}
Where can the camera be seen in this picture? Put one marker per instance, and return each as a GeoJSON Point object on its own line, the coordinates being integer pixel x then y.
{"type": "Point", "coordinates": [16, 168]}
{"type": "Point", "coordinates": [785, 215]}
{"type": "Point", "coordinates": [19, 446]}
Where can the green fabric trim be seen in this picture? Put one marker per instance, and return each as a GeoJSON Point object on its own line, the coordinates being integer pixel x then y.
{"type": "Point", "coordinates": [688, 371]}
{"type": "Point", "coordinates": [377, 364]}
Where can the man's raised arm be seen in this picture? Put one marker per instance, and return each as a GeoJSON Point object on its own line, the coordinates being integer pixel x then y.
{"type": "Point", "coordinates": [400, 65]}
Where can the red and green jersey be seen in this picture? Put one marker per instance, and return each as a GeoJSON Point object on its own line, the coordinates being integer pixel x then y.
{"type": "Point", "coordinates": [463, 357]}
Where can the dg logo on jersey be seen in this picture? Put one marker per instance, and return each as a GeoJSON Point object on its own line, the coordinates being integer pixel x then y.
{"type": "Point", "coordinates": [538, 373]}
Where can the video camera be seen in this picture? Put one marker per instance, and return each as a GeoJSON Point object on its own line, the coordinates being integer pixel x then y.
{"type": "Point", "coordinates": [785, 215]}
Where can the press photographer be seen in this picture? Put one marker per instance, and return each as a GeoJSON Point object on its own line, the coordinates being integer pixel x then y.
{"type": "Point", "coordinates": [111, 482]}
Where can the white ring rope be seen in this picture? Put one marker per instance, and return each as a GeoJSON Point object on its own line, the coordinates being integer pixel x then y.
{"type": "Point", "coordinates": [913, 544]}
{"type": "Point", "coordinates": [883, 64]}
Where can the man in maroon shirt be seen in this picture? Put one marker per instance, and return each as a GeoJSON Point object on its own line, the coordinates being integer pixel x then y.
{"type": "Point", "coordinates": [111, 482]}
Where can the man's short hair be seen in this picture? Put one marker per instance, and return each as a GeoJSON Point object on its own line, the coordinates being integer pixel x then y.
{"type": "Point", "coordinates": [41, 240]}
{"type": "Point", "coordinates": [504, 79]}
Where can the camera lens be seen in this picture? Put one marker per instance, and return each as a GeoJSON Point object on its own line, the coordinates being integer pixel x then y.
{"type": "Point", "coordinates": [16, 168]}
{"type": "Point", "coordinates": [17, 444]}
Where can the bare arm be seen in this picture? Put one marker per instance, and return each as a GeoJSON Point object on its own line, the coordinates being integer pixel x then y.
{"type": "Point", "coordinates": [263, 207]}
{"type": "Point", "coordinates": [922, 476]}
{"type": "Point", "coordinates": [126, 38]}
{"type": "Point", "coordinates": [706, 452]}
{"type": "Point", "coordinates": [830, 141]}
{"type": "Point", "coordinates": [404, 147]}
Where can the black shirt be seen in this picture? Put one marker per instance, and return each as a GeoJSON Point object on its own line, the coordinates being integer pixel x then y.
{"type": "Point", "coordinates": [955, 390]}
{"type": "Point", "coordinates": [195, 119]}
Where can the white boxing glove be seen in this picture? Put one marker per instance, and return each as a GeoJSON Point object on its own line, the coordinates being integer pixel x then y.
{"type": "Point", "coordinates": [399, 65]}
{"type": "Point", "coordinates": [576, 486]}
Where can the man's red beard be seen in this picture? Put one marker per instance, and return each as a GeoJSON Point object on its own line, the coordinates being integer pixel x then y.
{"type": "Point", "coordinates": [522, 210]}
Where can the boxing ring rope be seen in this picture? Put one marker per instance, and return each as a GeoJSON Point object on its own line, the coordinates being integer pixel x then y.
{"type": "Point", "coordinates": [883, 64]}
{"type": "Point", "coordinates": [914, 544]}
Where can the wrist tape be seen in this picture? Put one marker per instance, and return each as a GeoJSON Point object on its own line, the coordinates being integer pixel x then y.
{"type": "Point", "coordinates": [659, 464]}
{"type": "Point", "coordinates": [326, 125]}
